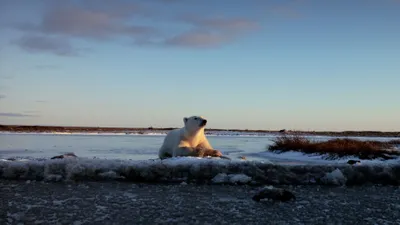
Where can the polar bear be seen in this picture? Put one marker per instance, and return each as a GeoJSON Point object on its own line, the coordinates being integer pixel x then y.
{"type": "Point", "coordinates": [188, 140]}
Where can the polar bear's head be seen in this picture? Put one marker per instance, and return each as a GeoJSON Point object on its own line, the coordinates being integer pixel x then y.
{"type": "Point", "coordinates": [194, 123]}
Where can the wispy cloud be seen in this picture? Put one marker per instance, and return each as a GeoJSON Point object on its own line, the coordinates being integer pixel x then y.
{"type": "Point", "coordinates": [41, 101]}
{"type": "Point", "coordinates": [47, 67]}
{"type": "Point", "coordinates": [6, 77]}
{"type": "Point", "coordinates": [221, 23]}
{"type": "Point", "coordinates": [287, 12]}
{"type": "Point", "coordinates": [211, 31]}
{"type": "Point", "coordinates": [197, 39]}
{"type": "Point", "coordinates": [87, 23]}
{"type": "Point", "coordinates": [36, 43]}
{"type": "Point", "coordinates": [31, 111]}
{"type": "Point", "coordinates": [4, 114]}
{"type": "Point", "coordinates": [288, 9]}
{"type": "Point", "coordinates": [126, 20]}
{"type": "Point", "coordinates": [89, 20]}
{"type": "Point", "coordinates": [2, 96]}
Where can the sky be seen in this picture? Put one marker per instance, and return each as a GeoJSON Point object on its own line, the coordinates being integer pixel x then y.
{"type": "Point", "coordinates": [260, 64]}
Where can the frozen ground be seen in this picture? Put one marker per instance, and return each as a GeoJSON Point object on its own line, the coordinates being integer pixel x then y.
{"type": "Point", "coordinates": [134, 158]}
{"type": "Point", "coordinates": [142, 147]}
{"type": "Point", "coordinates": [113, 182]}
{"type": "Point", "coordinates": [199, 170]}
{"type": "Point", "coordinates": [125, 203]}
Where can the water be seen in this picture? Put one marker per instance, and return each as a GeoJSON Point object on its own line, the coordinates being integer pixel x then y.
{"type": "Point", "coordinates": [135, 147]}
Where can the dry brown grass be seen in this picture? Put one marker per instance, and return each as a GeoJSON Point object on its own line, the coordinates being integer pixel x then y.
{"type": "Point", "coordinates": [394, 142]}
{"type": "Point", "coordinates": [336, 148]}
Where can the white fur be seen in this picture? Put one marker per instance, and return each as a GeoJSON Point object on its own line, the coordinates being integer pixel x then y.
{"type": "Point", "coordinates": [186, 141]}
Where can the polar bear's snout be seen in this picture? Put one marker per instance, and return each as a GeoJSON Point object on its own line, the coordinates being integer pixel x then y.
{"type": "Point", "coordinates": [203, 122]}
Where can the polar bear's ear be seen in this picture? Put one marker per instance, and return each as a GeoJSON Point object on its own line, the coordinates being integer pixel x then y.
{"type": "Point", "coordinates": [185, 120]}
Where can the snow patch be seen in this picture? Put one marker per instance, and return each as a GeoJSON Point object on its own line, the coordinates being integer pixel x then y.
{"type": "Point", "coordinates": [295, 156]}
{"type": "Point", "coordinates": [223, 178]}
{"type": "Point", "coordinates": [239, 178]}
{"type": "Point", "coordinates": [335, 177]}
{"type": "Point", "coordinates": [192, 169]}
{"type": "Point", "coordinates": [109, 175]}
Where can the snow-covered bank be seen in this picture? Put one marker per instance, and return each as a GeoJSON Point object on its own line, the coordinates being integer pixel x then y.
{"type": "Point", "coordinates": [208, 133]}
{"type": "Point", "coordinates": [152, 133]}
{"type": "Point", "coordinates": [199, 170]}
{"type": "Point", "coordinates": [295, 156]}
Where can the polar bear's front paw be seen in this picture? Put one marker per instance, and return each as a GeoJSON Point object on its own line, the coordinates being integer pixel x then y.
{"type": "Point", "coordinates": [216, 153]}
{"type": "Point", "coordinates": [200, 152]}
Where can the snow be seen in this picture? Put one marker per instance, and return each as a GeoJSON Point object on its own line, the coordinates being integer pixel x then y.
{"type": "Point", "coordinates": [222, 178]}
{"type": "Point", "coordinates": [335, 177]}
{"type": "Point", "coordinates": [318, 158]}
{"type": "Point", "coordinates": [193, 169]}
{"type": "Point", "coordinates": [133, 158]}
{"type": "Point", "coordinates": [208, 133]}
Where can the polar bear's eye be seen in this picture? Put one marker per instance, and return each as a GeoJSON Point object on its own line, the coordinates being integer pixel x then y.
{"type": "Point", "coordinates": [195, 118]}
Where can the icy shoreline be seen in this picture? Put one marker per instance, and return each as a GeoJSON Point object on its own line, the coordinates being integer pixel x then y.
{"type": "Point", "coordinates": [208, 133]}
{"type": "Point", "coordinates": [197, 170]}
{"type": "Point", "coordinates": [153, 133]}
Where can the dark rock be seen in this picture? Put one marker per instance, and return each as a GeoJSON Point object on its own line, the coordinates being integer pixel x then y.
{"type": "Point", "coordinates": [352, 162]}
{"type": "Point", "coordinates": [68, 155]}
{"type": "Point", "coordinates": [275, 194]}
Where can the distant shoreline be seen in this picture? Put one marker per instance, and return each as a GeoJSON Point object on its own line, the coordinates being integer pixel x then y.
{"type": "Point", "coordinates": [76, 129]}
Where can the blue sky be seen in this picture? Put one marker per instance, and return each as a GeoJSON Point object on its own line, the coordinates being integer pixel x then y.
{"type": "Point", "coordinates": [294, 64]}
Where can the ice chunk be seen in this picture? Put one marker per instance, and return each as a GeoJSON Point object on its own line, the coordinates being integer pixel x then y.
{"type": "Point", "coordinates": [231, 178]}
{"type": "Point", "coordinates": [220, 178]}
{"type": "Point", "coordinates": [335, 177]}
{"type": "Point", "coordinates": [239, 178]}
{"type": "Point", "coordinates": [198, 169]}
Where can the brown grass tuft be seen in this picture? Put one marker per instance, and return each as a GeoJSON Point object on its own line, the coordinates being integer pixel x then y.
{"type": "Point", "coordinates": [336, 148]}
{"type": "Point", "coordinates": [394, 142]}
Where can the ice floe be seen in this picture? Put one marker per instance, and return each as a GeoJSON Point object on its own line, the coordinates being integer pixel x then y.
{"type": "Point", "coordinates": [192, 169]}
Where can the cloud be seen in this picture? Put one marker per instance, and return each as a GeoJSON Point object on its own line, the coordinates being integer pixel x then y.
{"type": "Point", "coordinates": [41, 101]}
{"type": "Point", "coordinates": [31, 111]}
{"type": "Point", "coordinates": [3, 114]}
{"type": "Point", "coordinates": [34, 44]}
{"type": "Point", "coordinates": [6, 77]}
{"type": "Point", "coordinates": [289, 9]}
{"type": "Point", "coordinates": [61, 22]}
{"type": "Point", "coordinates": [47, 67]}
{"type": "Point", "coordinates": [286, 11]}
{"type": "Point", "coordinates": [197, 39]}
{"type": "Point", "coordinates": [212, 31]}
{"type": "Point", "coordinates": [168, 1]}
{"type": "Point", "coordinates": [89, 20]}
{"type": "Point", "coordinates": [2, 96]}
{"type": "Point", "coordinates": [222, 23]}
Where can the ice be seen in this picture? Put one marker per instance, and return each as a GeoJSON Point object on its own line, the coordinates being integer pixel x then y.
{"type": "Point", "coordinates": [193, 169]}
{"type": "Point", "coordinates": [133, 157]}
{"type": "Point", "coordinates": [17, 146]}
{"type": "Point", "coordinates": [222, 178]}
{"type": "Point", "coordinates": [319, 158]}
{"type": "Point", "coordinates": [335, 177]}
{"type": "Point", "coordinates": [239, 178]}
{"type": "Point", "coordinates": [109, 175]}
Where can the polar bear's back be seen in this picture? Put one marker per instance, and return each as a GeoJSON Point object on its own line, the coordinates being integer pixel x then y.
{"type": "Point", "coordinates": [173, 137]}
{"type": "Point", "coordinates": [171, 140]}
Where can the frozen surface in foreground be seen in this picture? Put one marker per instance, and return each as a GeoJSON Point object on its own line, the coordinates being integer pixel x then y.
{"type": "Point", "coordinates": [145, 147]}
{"type": "Point", "coordinates": [206, 170]}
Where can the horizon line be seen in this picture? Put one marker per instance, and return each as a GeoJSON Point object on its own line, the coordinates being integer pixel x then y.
{"type": "Point", "coordinates": [221, 129]}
